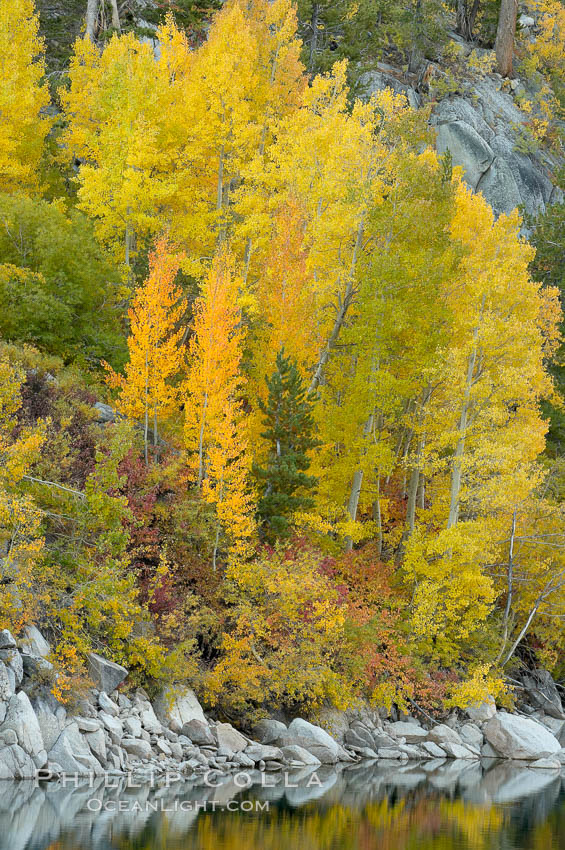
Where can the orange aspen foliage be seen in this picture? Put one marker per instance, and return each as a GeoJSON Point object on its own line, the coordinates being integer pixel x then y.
{"type": "Point", "coordinates": [155, 352]}
{"type": "Point", "coordinates": [285, 300]}
{"type": "Point", "coordinates": [227, 485]}
{"type": "Point", "coordinates": [214, 420]}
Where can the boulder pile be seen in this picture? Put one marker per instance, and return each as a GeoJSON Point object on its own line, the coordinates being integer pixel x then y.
{"type": "Point", "coordinates": [123, 733]}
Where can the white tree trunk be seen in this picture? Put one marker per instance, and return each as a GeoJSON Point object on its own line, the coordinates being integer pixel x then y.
{"type": "Point", "coordinates": [201, 443]}
{"type": "Point", "coordinates": [342, 312]}
{"type": "Point", "coordinates": [115, 16]}
{"type": "Point", "coordinates": [91, 16]}
{"type": "Point", "coordinates": [354, 503]}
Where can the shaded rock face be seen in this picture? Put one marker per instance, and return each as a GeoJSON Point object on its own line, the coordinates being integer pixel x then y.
{"type": "Point", "coordinates": [7, 688]}
{"type": "Point", "coordinates": [106, 675]}
{"type": "Point", "coordinates": [33, 643]}
{"type": "Point", "coordinates": [51, 717]}
{"type": "Point", "coordinates": [7, 640]}
{"type": "Point", "coordinates": [468, 149]}
{"type": "Point", "coordinates": [385, 76]}
{"type": "Point", "coordinates": [481, 711]}
{"type": "Point", "coordinates": [72, 753]}
{"type": "Point", "coordinates": [444, 734]}
{"type": "Point", "coordinates": [21, 719]}
{"type": "Point", "coordinates": [482, 138]}
{"type": "Point", "coordinates": [482, 128]}
{"type": "Point", "coordinates": [12, 659]}
{"type": "Point", "coordinates": [543, 693]}
{"type": "Point", "coordinates": [471, 734]}
{"type": "Point", "coordinates": [516, 737]}
{"type": "Point", "coordinates": [229, 739]}
{"type": "Point", "coordinates": [295, 753]}
{"type": "Point", "coordinates": [314, 739]}
{"type": "Point", "coordinates": [199, 733]}
{"type": "Point", "coordinates": [15, 763]}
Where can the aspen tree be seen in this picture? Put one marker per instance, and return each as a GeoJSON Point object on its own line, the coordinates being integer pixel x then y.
{"type": "Point", "coordinates": [117, 108]}
{"type": "Point", "coordinates": [243, 80]}
{"type": "Point", "coordinates": [484, 427]}
{"type": "Point", "coordinates": [214, 428]}
{"type": "Point", "coordinates": [147, 390]}
{"type": "Point", "coordinates": [23, 96]}
{"type": "Point", "coordinates": [20, 530]}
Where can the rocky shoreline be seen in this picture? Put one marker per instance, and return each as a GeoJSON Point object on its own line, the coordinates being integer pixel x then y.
{"type": "Point", "coordinates": [119, 734]}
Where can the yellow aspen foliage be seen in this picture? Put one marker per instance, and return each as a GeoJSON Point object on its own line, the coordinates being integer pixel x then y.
{"type": "Point", "coordinates": [156, 355]}
{"type": "Point", "coordinates": [483, 427]}
{"type": "Point", "coordinates": [23, 96]}
{"type": "Point", "coordinates": [243, 79]}
{"type": "Point", "coordinates": [529, 573]}
{"type": "Point", "coordinates": [214, 428]}
{"type": "Point", "coordinates": [453, 595]}
{"type": "Point", "coordinates": [503, 327]}
{"type": "Point", "coordinates": [227, 485]}
{"type": "Point", "coordinates": [387, 347]}
{"type": "Point", "coordinates": [483, 683]}
{"type": "Point", "coordinates": [547, 49]}
{"type": "Point", "coordinates": [283, 309]}
{"type": "Point", "coordinates": [285, 296]}
{"type": "Point", "coordinates": [118, 107]}
{"type": "Point", "coordinates": [164, 141]}
{"type": "Point", "coordinates": [20, 533]}
{"type": "Point", "coordinates": [335, 163]}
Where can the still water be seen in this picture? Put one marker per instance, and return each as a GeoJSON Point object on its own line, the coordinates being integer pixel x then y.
{"type": "Point", "coordinates": [431, 806]}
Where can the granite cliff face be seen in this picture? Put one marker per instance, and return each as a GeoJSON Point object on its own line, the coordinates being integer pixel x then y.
{"type": "Point", "coordinates": [482, 138]}
{"type": "Point", "coordinates": [483, 127]}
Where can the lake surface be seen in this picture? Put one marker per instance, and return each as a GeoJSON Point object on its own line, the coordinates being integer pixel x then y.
{"type": "Point", "coordinates": [432, 806]}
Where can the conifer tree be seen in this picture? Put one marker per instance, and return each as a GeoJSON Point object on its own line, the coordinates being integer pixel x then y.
{"type": "Point", "coordinates": [289, 433]}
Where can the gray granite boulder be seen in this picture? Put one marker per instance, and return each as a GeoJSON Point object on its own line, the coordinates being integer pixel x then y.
{"type": "Point", "coordinates": [313, 738]}
{"type": "Point", "coordinates": [229, 739]}
{"type": "Point", "coordinates": [412, 732]}
{"type": "Point", "coordinates": [106, 675]}
{"type": "Point", "coordinates": [20, 717]}
{"type": "Point", "coordinates": [199, 733]}
{"type": "Point", "coordinates": [51, 717]}
{"type": "Point", "coordinates": [180, 704]}
{"type": "Point", "coordinates": [7, 640]}
{"type": "Point", "coordinates": [33, 643]}
{"type": "Point", "coordinates": [13, 661]}
{"type": "Point", "coordinates": [543, 693]}
{"type": "Point", "coordinates": [72, 752]}
{"type": "Point", "coordinates": [266, 731]}
{"type": "Point", "coordinates": [15, 763]}
{"type": "Point", "coordinates": [516, 737]}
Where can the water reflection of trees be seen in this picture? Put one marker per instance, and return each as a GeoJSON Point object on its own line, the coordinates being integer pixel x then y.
{"type": "Point", "coordinates": [454, 807]}
{"type": "Point", "coordinates": [416, 821]}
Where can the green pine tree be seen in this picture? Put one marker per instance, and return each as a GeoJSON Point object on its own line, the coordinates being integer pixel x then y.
{"type": "Point", "coordinates": [364, 31]}
{"type": "Point", "coordinates": [283, 482]}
